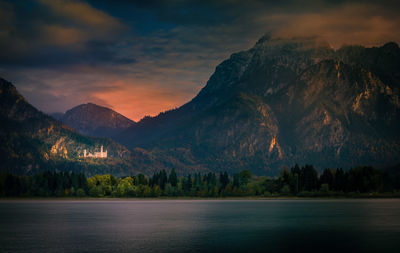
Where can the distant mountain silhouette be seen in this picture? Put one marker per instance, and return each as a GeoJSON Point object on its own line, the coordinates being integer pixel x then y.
{"type": "Point", "coordinates": [94, 120]}
{"type": "Point", "coordinates": [57, 115]}
{"type": "Point", "coordinates": [282, 102]}
{"type": "Point", "coordinates": [33, 142]}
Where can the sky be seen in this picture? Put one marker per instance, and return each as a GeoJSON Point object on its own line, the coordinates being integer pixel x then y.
{"type": "Point", "coordinates": [144, 57]}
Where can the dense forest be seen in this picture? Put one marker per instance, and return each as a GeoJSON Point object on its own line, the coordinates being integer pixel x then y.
{"type": "Point", "coordinates": [297, 181]}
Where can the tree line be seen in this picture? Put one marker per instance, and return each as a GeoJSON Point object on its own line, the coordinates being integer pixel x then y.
{"type": "Point", "coordinates": [296, 181]}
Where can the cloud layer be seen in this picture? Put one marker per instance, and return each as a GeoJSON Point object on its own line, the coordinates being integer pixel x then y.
{"type": "Point", "coordinates": [143, 57]}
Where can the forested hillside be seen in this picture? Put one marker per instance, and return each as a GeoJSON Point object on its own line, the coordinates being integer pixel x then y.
{"type": "Point", "coordinates": [32, 142]}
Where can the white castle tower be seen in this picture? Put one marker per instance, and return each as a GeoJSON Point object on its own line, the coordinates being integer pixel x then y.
{"type": "Point", "coordinates": [103, 154]}
{"type": "Point", "coordinates": [100, 154]}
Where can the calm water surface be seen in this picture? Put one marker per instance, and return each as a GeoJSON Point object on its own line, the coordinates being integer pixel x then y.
{"type": "Point", "coordinates": [200, 226]}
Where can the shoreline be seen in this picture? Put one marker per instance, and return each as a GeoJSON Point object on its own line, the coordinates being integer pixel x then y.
{"type": "Point", "coordinates": [55, 199]}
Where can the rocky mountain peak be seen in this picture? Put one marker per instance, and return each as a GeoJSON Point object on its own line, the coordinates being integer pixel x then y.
{"type": "Point", "coordinates": [292, 43]}
{"type": "Point", "coordinates": [286, 101]}
{"type": "Point", "coordinates": [95, 120]}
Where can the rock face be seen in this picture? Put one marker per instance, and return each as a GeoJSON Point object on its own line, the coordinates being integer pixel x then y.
{"type": "Point", "coordinates": [285, 101]}
{"type": "Point", "coordinates": [93, 120]}
{"type": "Point", "coordinates": [33, 142]}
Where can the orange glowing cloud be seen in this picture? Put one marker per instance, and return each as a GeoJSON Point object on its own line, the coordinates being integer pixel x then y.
{"type": "Point", "coordinates": [364, 24]}
{"type": "Point", "coordinates": [82, 13]}
{"type": "Point", "coordinates": [61, 36]}
{"type": "Point", "coordinates": [84, 23]}
{"type": "Point", "coordinates": [137, 101]}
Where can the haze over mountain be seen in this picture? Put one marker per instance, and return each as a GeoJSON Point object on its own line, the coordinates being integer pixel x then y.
{"type": "Point", "coordinates": [94, 120]}
{"type": "Point", "coordinates": [32, 142]}
{"type": "Point", "coordinates": [285, 101]}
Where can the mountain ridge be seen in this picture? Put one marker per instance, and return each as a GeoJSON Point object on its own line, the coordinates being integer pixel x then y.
{"type": "Point", "coordinates": [94, 120]}
{"type": "Point", "coordinates": [279, 103]}
{"type": "Point", "coordinates": [357, 90]}
{"type": "Point", "coordinates": [34, 142]}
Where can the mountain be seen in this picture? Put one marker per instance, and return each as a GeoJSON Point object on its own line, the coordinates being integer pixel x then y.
{"type": "Point", "coordinates": [57, 115]}
{"type": "Point", "coordinates": [33, 142]}
{"type": "Point", "coordinates": [94, 120]}
{"type": "Point", "coordinates": [282, 102]}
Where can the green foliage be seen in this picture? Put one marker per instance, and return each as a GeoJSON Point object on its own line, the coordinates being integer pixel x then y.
{"type": "Point", "coordinates": [126, 188]}
{"type": "Point", "coordinates": [297, 181]}
{"type": "Point", "coordinates": [365, 179]}
{"type": "Point", "coordinates": [96, 191]}
{"type": "Point", "coordinates": [173, 179]}
{"type": "Point", "coordinates": [324, 188]}
{"type": "Point", "coordinates": [45, 184]}
{"type": "Point", "coordinates": [285, 190]}
{"type": "Point", "coordinates": [224, 179]}
{"type": "Point", "coordinates": [80, 193]}
{"type": "Point", "coordinates": [244, 177]}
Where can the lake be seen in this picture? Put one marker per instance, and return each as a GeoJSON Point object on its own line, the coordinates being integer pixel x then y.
{"type": "Point", "coordinates": [200, 225]}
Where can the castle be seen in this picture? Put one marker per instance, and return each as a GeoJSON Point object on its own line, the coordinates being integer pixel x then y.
{"type": "Point", "coordinates": [100, 154]}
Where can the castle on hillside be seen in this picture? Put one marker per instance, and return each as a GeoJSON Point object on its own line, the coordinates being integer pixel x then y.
{"type": "Point", "coordinates": [100, 154]}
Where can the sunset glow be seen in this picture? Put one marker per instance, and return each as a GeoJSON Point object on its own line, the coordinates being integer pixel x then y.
{"type": "Point", "coordinates": [144, 58]}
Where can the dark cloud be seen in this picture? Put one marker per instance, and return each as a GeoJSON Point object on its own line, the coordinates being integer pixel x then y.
{"type": "Point", "coordinates": [53, 32]}
{"type": "Point", "coordinates": [142, 57]}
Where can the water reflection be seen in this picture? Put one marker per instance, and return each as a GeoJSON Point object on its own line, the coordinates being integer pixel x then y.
{"type": "Point", "coordinates": [200, 226]}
